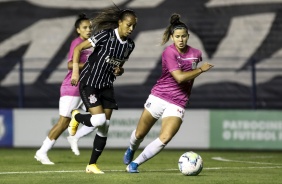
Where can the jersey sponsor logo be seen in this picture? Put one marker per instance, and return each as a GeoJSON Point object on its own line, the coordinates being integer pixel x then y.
{"type": "Point", "coordinates": [115, 61]}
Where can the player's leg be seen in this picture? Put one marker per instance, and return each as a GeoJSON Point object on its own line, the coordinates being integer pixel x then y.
{"type": "Point", "coordinates": [65, 105]}
{"type": "Point", "coordinates": [144, 125]}
{"type": "Point", "coordinates": [81, 132]}
{"type": "Point", "coordinates": [171, 122]}
{"type": "Point", "coordinates": [170, 126]}
{"type": "Point", "coordinates": [100, 140]}
{"type": "Point", "coordinates": [153, 109]}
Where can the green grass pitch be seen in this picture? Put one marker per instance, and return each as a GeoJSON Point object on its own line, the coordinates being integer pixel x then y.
{"type": "Point", "coordinates": [220, 167]}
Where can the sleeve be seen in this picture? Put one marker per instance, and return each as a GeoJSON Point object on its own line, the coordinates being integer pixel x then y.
{"type": "Point", "coordinates": [131, 46]}
{"type": "Point", "coordinates": [200, 56]}
{"type": "Point", "coordinates": [170, 60]}
{"type": "Point", "coordinates": [98, 38]}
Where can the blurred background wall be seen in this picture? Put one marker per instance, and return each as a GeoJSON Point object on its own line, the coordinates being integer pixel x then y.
{"type": "Point", "coordinates": [242, 38]}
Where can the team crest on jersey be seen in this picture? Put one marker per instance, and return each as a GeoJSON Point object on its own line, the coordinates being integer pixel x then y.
{"type": "Point", "coordinates": [92, 99]}
{"type": "Point", "coordinates": [194, 65]}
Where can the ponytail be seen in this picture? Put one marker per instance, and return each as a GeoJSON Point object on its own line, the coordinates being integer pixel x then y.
{"type": "Point", "coordinates": [175, 23]}
{"type": "Point", "coordinates": [81, 17]}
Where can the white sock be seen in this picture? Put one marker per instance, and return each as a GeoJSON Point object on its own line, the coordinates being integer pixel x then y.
{"type": "Point", "coordinates": [150, 151]}
{"type": "Point", "coordinates": [47, 145]}
{"type": "Point", "coordinates": [134, 143]}
{"type": "Point", "coordinates": [82, 131]}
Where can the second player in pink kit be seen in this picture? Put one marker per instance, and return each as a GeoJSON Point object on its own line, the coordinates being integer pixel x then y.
{"type": "Point", "coordinates": [66, 88]}
{"type": "Point", "coordinates": [169, 95]}
{"type": "Point", "coordinates": [166, 88]}
{"type": "Point", "coordinates": [69, 97]}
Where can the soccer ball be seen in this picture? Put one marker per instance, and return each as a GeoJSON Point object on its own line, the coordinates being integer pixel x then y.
{"type": "Point", "coordinates": [190, 164]}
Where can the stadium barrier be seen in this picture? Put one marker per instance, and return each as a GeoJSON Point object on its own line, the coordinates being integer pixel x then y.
{"type": "Point", "coordinates": [201, 129]}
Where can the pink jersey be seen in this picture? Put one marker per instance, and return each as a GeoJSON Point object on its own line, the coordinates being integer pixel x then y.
{"type": "Point", "coordinates": [66, 88]}
{"type": "Point", "coordinates": [166, 87]}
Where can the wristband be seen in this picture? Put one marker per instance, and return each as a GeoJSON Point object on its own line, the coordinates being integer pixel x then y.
{"type": "Point", "coordinates": [75, 71]}
{"type": "Point", "coordinates": [75, 68]}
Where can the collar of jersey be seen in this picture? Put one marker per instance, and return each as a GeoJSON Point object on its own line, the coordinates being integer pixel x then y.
{"type": "Point", "coordinates": [118, 37]}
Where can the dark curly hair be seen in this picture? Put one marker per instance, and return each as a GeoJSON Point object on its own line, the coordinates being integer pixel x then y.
{"type": "Point", "coordinates": [108, 18]}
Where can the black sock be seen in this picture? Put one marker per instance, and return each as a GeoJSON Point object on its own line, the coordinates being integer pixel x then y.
{"type": "Point", "coordinates": [98, 147]}
{"type": "Point", "coordinates": [84, 119]}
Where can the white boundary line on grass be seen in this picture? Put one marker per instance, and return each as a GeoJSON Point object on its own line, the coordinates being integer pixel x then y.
{"type": "Point", "coordinates": [249, 162]}
{"type": "Point", "coordinates": [78, 171]}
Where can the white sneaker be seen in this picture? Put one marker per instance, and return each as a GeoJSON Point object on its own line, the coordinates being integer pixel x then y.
{"type": "Point", "coordinates": [73, 143]}
{"type": "Point", "coordinates": [43, 158]}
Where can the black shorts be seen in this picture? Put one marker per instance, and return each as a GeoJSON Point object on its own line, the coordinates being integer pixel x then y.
{"type": "Point", "coordinates": [93, 97]}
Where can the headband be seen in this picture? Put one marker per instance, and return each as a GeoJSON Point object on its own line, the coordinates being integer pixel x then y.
{"type": "Point", "coordinates": [179, 26]}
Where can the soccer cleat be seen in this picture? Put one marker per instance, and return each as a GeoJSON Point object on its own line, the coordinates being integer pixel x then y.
{"type": "Point", "coordinates": [128, 156]}
{"type": "Point", "coordinates": [43, 158]}
{"type": "Point", "coordinates": [93, 169]}
{"type": "Point", "coordinates": [73, 143]}
{"type": "Point", "coordinates": [73, 123]}
{"type": "Point", "coordinates": [132, 168]}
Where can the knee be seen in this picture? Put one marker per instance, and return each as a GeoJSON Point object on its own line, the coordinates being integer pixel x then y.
{"type": "Point", "coordinates": [98, 120]}
{"type": "Point", "coordinates": [63, 122]}
{"type": "Point", "coordinates": [139, 134]}
{"type": "Point", "coordinates": [103, 130]}
{"type": "Point", "coordinates": [165, 138]}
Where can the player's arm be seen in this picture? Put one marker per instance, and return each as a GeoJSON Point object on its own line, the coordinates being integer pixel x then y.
{"type": "Point", "coordinates": [184, 76]}
{"type": "Point", "coordinates": [70, 64]}
{"type": "Point", "coordinates": [76, 55]}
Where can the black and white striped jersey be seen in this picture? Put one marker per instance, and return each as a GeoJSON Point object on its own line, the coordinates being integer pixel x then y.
{"type": "Point", "coordinates": [109, 52]}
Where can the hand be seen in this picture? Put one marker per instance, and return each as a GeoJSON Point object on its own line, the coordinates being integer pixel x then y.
{"type": "Point", "coordinates": [75, 74]}
{"type": "Point", "coordinates": [118, 71]}
{"type": "Point", "coordinates": [206, 66]}
{"type": "Point", "coordinates": [74, 79]}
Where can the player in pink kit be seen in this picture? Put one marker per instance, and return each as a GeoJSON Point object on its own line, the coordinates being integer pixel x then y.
{"type": "Point", "coordinates": [70, 97]}
{"type": "Point", "coordinates": [169, 96]}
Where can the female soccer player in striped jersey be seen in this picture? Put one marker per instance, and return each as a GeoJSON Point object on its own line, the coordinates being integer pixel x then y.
{"type": "Point", "coordinates": [112, 48]}
{"type": "Point", "coordinates": [169, 96]}
{"type": "Point", "coordinates": [70, 97]}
